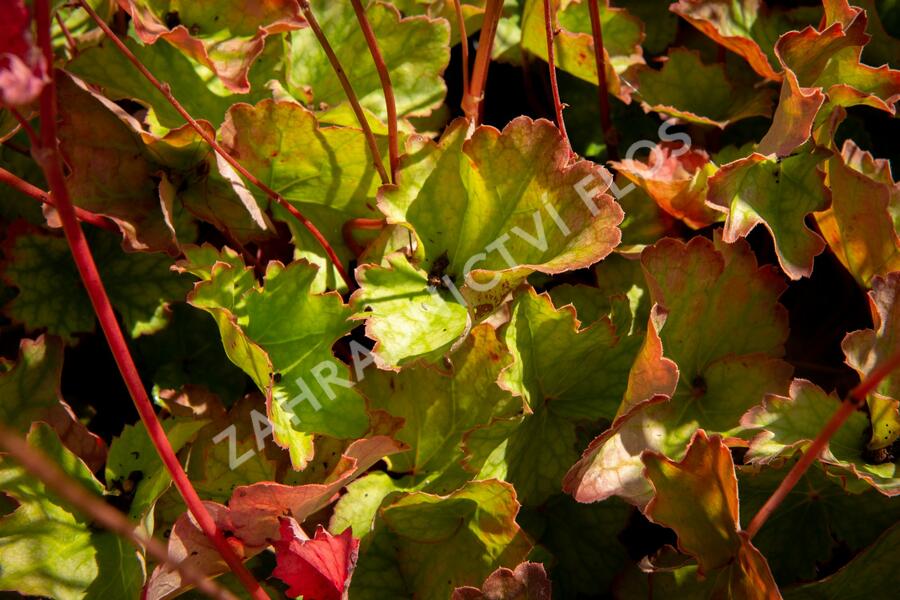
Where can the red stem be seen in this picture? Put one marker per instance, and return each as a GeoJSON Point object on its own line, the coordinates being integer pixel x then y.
{"type": "Point", "coordinates": [49, 158]}
{"type": "Point", "coordinates": [348, 89]}
{"type": "Point", "coordinates": [75, 494]}
{"type": "Point", "coordinates": [464, 41]}
{"type": "Point", "coordinates": [26, 126]}
{"type": "Point", "coordinates": [855, 400]}
{"type": "Point", "coordinates": [166, 91]}
{"type": "Point", "coordinates": [474, 96]}
{"type": "Point", "coordinates": [385, 76]}
{"type": "Point", "coordinates": [41, 196]}
{"type": "Point", "coordinates": [550, 30]}
{"type": "Point", "coordinates": [609, 133]}
{"type": "Point", "coordinates": [73, 47]}
{"type": "Point", "coordinates": [361, 223]}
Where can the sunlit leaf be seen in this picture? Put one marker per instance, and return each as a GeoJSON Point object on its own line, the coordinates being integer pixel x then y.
{"type": "Point", "coordinates": [416, 50]}
{"type": "Point", "coordinates": [480, 211]}
{"type": "Point", "coordinates": [778, 194]}
{"type": "Point", "coordinates": [427, 546]}
{"type": "Point", "coordinates": [683, 379]}
{"type": "Point", "coordinates": [786, 425]}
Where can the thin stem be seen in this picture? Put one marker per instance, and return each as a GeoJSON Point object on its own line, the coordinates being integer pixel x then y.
{"type": "Point", "coordinates": [385, 77]}
{"type": "Point", "coordinates": [550, 30]}
{"type": "Point", "coordinates": [40, 195]}
{"type": "Point", "coordinates": [166, 91]}
{"type": "Point", "coordinates": [50, 160]}
{"type": "Point", "coordinates": [75, 494]}
{"type": "Point", "coordinates": [609, 133]}
{"type": "Point", "coordinates": [348, 89]}
{"type": "Point", "coordinates": [854, 401]}
{"type": "Point", "coordinates": [474, 96]}
{"type": "Point", "coordinates": [464, 42]}
{"type": "Point", "coordinates": [70, 42]}
{"type": "Point", "coordinates": [17, 148]}
{"type": "Point", "coordinates": [26, 126]}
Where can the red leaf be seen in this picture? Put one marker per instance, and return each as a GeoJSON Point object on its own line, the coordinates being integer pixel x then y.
{"type": "Point", "coordinates": [317, 568]}
{"type": "Point", "coordinates": [22, 69]}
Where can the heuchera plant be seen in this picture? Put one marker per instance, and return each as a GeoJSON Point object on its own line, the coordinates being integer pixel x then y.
{"type": "Point", "coordinates": [476, 299]}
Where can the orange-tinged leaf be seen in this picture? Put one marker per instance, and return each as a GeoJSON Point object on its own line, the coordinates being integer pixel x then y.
{"type": "Point", "coordinates": [793, 121]}
{"type": "Point", "coordinates": [253, 514]}
{"type": "Point", "coordinates": [226, 38]}
{"type": "Point", "coordinates": [698, 498]}
{"type": "Point", "coordinates": [858, 225]}
{"type": "Point", "coordinates": [866, 349]}
{"type": "Point", "coordinates": [746, 27]}
{"type": "Point", "coordinates": [807, 53]}
{"type": "Point", "coordinates": [831, 59]}
{"type": "Point", "coordinates": [675, 177]}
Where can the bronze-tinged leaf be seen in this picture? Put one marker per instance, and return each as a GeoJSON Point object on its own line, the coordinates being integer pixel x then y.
{"type": "Point", "coordinates": [676, 178]}
{"type": "Point", "coordinates": [528, 581]}
{"type": "Point", "coordinates": [227, 37]}
{"type": "Point", "coordinates": [698, 498]}
{"type": "Point", "coordinates": [866, 349]}
{"type": "Point", "coordinates": [858, 226]}
{"type": "Point", "coordinates": [700, 380]}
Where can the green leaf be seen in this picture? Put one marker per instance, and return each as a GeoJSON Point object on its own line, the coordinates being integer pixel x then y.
{"type": "Point", "coordinates": [815, 517]}
{"type": "Point", "coordinates": [283, 327]}
{"type": "Point", "coordinates": [325, 172]}
{"type": "Point", "coordinates": [426, 545]}
{"type": "Point", "coordinates": [45, 548]}
{"type": "Point", "coordinates": [415, 49]}
{"type": "Point", "coordinates": [687, 89]}
{"type": "Point", "coordinates": [779, 194]}
{"type": "Point", "coordinates": [134, 467]}
{"type": "Point", "coordinates": [486, 212]}
{"type": "Point", "coordinates": [574, 44]}
{"type": "Point", "coordinates": [30, 389]}
{"type": "Point", "coordinates": [193, 84]}
{"type": "Point", "coordinates": [30, 386]}
{"type": "Point", "coordinates": [703, 381]}
{"type": "Point", "coordinates": [226, 37]}
{"type": "Point", "coordinates": [697, 497]}
{"type": "Point", "coordinates": [583, 541]}
{"type": "Point", "coordinates": [437, 409]}
{"type": "Point", "coordinates": [52, 297]}
{"type": "Point", "coordinates": [406, 319]}
{"type": "Point", "coordinates": [872, 573]}
{"type": "Point", "coordinates": [787, 424]}
{"type": "Point", "coordinates": [189, 352]}
{"type": "Point", "coordinates": [537, 448]}
{"type": "Point", "coordinates": [358, 507]}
